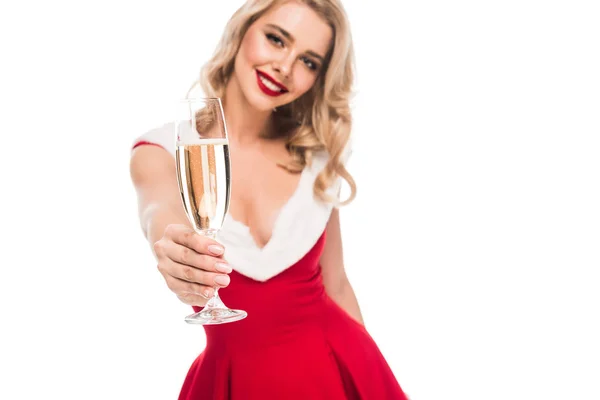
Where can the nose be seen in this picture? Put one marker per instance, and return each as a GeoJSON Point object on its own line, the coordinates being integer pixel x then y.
{"type": "Point", "coordinates": [284, 65]}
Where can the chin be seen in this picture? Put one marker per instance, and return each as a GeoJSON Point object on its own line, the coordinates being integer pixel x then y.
{"type": "Point", "coordinates": [260, 103]}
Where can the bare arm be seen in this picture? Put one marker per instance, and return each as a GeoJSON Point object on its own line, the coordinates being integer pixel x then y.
{"type": "Point", "coordinates": [153, 174]}
{"type": "Point", "coordinates": [191, 264]}
{"type": "Point", "coordinates": [336, 282]}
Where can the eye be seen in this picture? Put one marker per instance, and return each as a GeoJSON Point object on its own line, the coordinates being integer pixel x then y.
{"type": "Point", "coordinates": [275, 39]}
{"type": "Point", "coordinates": [310, 63]}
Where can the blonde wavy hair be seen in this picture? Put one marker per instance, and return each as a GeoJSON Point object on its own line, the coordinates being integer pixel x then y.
{"type": "Point", "coordinates": [318, 120]}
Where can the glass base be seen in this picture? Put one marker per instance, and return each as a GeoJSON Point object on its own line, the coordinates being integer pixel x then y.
{"type": "Point", "coordinates": [214, 316]}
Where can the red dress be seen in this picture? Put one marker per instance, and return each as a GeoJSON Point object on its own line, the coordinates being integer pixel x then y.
{"type": "Point", "coordinates": [295, 344]}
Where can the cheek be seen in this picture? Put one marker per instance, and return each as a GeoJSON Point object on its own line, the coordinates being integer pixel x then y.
{"type": "Point", "coordinates": [304, 80]}
{"type": "Point", "coordinates": [255, 50]}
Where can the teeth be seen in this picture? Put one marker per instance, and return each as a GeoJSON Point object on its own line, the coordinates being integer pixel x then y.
{"type": "Point", "coordinates": [269, 84]}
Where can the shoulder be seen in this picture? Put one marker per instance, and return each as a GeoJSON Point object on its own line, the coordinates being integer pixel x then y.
{"type": "Point", "coordinates": [318, 162]}
{"type": "Point", "coordinates": [319, 159]}
{"type": "Point", "coordinates": [163, 136]}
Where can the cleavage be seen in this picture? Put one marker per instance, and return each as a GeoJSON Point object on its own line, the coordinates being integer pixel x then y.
{"type": "Point", "coordinates": [260, 192]}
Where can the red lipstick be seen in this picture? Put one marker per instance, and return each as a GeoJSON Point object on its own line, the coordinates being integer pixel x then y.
{"type": "Point", "coordinates": [270, 92]}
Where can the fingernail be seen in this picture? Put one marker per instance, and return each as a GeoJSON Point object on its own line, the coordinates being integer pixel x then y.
{"type": "Point", "coordinates": [221, 267]}
{"type": "Point", "coordinates": [207, 294]}
{"type": "Point", "coordinates": [216, 250]}
{"type": "Point", "coordinates": [222, 280]}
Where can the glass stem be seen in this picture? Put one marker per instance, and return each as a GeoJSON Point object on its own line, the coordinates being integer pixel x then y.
{"type": "Point", "coordinates": [215, 301]}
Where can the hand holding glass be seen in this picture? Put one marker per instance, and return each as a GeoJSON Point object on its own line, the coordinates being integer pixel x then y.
{"type": "Point", "coordinates": [203, 174]}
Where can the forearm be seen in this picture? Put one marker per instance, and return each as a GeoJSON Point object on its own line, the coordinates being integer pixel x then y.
{"type": "Point", "coordinates": [344, 296]}
{"type": "Point", "coordinates": [155, 218]}
{"type": "Point", "coordinates": [153, 174]}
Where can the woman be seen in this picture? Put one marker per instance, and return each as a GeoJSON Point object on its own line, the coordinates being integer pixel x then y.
{"type": "Point", "coordinates": [284, 72]}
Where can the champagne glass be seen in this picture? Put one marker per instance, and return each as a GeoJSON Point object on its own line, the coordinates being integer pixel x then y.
{"type": "Point", "coordinates": [203, 174]}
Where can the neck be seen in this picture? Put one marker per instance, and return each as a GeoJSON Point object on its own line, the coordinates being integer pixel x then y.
{"type": "Point", "coordinates": [244, 123]}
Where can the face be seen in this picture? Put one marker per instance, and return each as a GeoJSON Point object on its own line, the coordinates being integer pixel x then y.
{"type": "Point", "coordinates": [282, 55]}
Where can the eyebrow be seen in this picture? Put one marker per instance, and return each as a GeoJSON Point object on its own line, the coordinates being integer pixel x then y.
{"type": "Point", "coordinates": [289, 37]}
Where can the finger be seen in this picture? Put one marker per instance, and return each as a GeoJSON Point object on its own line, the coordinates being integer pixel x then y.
{"type": "Point", "coordinates": [192, 299]}
{"type": "Point", "coordinates": [186, 256]}
{"type": "Point", "coordinates": [201, 244]}
{"type": "Point", "coordinates": [198, 276]}
{"type": "Point", "coordinates": [186, 289]}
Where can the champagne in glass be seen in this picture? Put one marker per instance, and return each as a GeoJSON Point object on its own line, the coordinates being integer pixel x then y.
{"type": "Point", "coordinates": [203, 174]}
{"type": "Point", "coordinates": [204, 182]}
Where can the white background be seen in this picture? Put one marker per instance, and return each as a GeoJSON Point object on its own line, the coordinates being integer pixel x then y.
{"type": "Point", "coordinates": [472, 245]}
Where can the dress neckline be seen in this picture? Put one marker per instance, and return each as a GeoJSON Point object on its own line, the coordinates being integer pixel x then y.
{"type": "Point", "coordinates": [279, 219]}
{"type": "Point", "coordinates": [297, 228]}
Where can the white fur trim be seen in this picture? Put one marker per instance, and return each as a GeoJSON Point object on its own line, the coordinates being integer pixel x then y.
{"type": "Point", "coordinates": [301, 222]}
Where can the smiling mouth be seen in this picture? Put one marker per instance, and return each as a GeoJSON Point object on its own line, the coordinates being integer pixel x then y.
{"type": "Point", "coordinates": [268, 85]}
